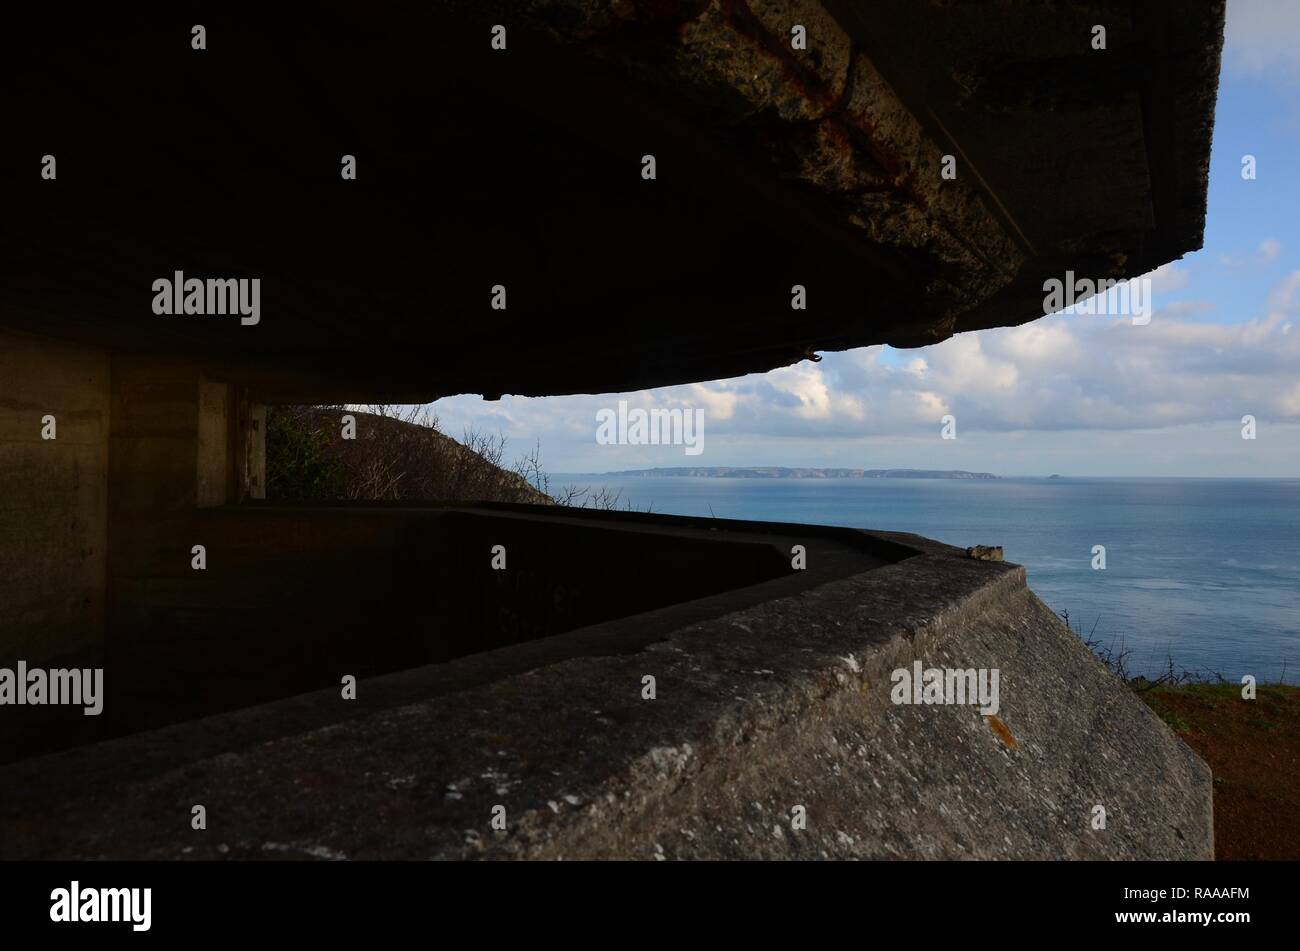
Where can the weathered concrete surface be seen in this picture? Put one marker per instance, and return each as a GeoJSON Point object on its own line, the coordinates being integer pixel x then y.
{"type": "Point", "coordinates": [53, 496]}
{"type": "Point", "coordinates": [780, 703]}
{"type": "Point", "coordinates": [775, 166]}
{"type": "Point", "coordinates": [523, 167]}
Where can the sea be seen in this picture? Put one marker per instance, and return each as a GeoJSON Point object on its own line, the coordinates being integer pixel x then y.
{"type": "Point", "coordinates": [1203, 574]}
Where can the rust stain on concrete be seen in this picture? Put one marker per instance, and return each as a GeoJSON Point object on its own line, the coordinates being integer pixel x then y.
{"type": "Point", "coordinates": [1000, 729]}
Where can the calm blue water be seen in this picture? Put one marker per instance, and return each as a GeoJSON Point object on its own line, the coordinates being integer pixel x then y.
{"type": "Point", "coordinates": [1207, 570]}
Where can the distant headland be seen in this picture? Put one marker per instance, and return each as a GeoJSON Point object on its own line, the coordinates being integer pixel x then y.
{"type": "Point", "coordinates": [783, 472]}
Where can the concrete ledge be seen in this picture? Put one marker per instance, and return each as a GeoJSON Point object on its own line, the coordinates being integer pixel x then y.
{"type": "Point", "coordinates": [779, 703]}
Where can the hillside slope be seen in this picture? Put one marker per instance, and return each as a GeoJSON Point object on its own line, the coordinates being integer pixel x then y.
{"type": "Point", "coordinates": [389, 456]}
{"type": "Point", "coordinates": [1253, 746]}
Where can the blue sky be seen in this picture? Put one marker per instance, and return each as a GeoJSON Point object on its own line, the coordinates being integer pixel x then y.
{"type": "Point", "coordinates": [1062, 394]}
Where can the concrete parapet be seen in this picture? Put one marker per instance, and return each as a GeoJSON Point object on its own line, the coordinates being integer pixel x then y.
{"type": "Point", "coordinates": [780, 704]}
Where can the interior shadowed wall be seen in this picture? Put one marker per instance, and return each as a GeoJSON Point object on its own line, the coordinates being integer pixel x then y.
{"type": "Point", "coordinates": [53, 498]}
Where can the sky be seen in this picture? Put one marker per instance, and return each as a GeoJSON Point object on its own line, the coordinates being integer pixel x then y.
{"type": "Point", "coordinates": [1063, 394]}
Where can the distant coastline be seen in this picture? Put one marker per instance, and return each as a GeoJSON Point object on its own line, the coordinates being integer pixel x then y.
{"type": "Point", "coordinates": [785, 472]}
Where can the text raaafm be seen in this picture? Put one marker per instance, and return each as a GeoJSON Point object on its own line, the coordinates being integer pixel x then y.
{"type": "Point", "coordinates": [214, 296]}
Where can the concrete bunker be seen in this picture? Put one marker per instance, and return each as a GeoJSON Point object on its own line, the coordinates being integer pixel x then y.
{"type": "Point", "coordinates": [523, 685]}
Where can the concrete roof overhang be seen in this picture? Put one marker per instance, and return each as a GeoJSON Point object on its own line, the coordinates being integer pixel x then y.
{"type": "Point", "coordinates": [522, 167]}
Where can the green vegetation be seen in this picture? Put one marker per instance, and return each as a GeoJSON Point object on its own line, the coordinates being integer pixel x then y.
{"type": "Point", "coordinates": [300, 462]}
{"type": "Point", "coordinates": [384, 453]}
{"type": "Point", "coordinates": [393, 453]}
{"type": "Point", "coordinates": [1252, 747]}
{"type": "Point", "coordinates": [1175, 722]}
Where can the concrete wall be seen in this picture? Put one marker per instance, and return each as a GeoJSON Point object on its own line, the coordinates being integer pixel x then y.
{"type": "Point", "coordinates": [150, 460]}
{"type": "Point", "coordinates": [169, 458]}
{"type": "Point", "coordinates": [779, 700]}
{"type": "Point", "coordinates": [293, 597]}
{"type": "Point", "coordinates": [52, 498]}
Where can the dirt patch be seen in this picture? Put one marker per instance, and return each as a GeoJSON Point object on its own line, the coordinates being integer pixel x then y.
{"type": "Point", "coordinates": [1253, 748]}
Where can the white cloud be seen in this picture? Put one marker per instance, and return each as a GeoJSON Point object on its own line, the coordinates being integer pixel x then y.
{"type": "Point", "coordinates": [1261, 38]}
{"type": "Point", "coordinates": [1057, 374]}
{"type": "Point", "coordinates": [807, 383]}
{"type": "Point", "coordinates": [1284, 297]}
{"type": "Point", "coordinates": [1266, 252]}
{"type": "Point", "coordinates": [1168, 277]}
{"type": "Point", "coordinates": [718, 399]}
